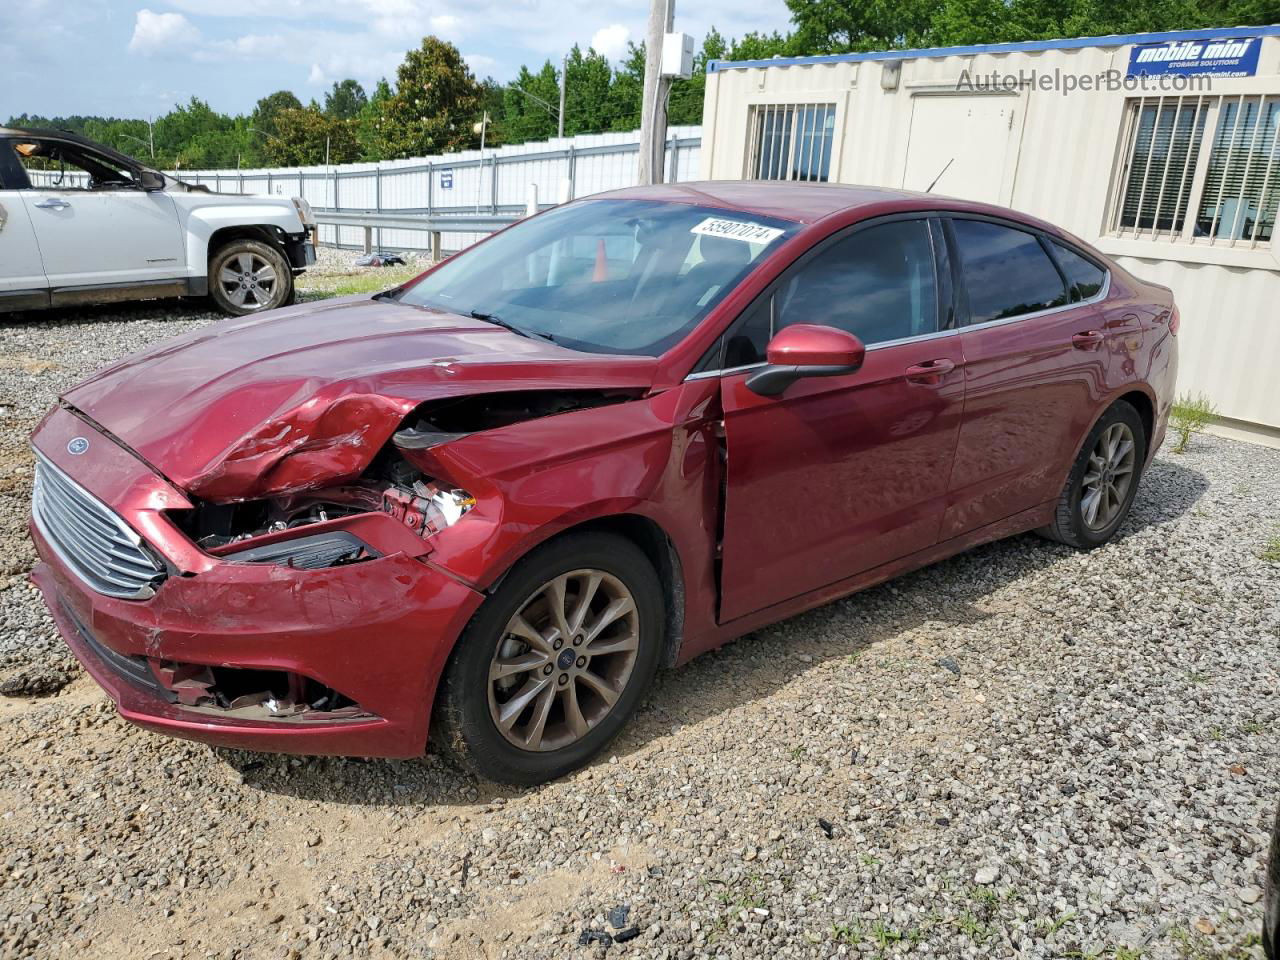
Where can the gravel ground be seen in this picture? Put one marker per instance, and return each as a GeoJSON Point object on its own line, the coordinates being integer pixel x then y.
{"type": "Point", "coordinates": [1024, 751]}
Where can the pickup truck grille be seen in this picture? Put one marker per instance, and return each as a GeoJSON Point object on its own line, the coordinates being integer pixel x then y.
{"type": "Point", "coordinates": [90, 538]}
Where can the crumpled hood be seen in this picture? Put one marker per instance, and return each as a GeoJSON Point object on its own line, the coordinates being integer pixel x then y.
{"type": "Point", "coordinates": [305, 397]}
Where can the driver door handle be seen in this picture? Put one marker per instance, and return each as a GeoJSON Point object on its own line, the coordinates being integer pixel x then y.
{"type": "Point", "coordinates": [53, 203]}
{"type": "Point", "coordinates": [930, 371]}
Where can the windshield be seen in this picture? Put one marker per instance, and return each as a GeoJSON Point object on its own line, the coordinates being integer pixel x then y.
{"type": "Point", "coordinates": [606, 276]}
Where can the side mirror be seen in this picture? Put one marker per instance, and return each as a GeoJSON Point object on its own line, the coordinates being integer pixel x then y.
{"type": "Point", "coordinates": [806, 350]}
{"type": "Point", "coordinates": [150, 180]}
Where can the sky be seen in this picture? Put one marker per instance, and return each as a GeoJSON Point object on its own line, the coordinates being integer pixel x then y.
{"type": "Point", "coordinates": [137, 59]}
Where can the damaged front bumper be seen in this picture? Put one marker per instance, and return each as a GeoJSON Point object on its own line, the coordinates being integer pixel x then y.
{"type": "Point", "coordinates": [343, 660]}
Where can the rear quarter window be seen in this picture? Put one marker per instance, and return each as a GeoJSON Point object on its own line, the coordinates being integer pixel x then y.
{"type": "Point", "coordinates": [1086, 278]}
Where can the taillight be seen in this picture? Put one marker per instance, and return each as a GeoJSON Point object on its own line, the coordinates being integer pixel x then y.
{"type": "Point", "coordinates": [1174, 320]}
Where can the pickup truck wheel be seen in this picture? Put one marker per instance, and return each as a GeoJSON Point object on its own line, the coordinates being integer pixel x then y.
{"type": "Point", "coordinates": [249, 276]}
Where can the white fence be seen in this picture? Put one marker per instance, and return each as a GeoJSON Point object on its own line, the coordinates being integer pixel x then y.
{"type": "Point", "coordinates": [496, 182]}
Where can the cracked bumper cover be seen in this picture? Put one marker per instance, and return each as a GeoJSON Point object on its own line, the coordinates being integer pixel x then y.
{"type": "Point", "coordinates": [379, 631]}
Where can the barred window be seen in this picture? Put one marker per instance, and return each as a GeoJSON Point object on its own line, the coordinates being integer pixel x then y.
{"type": "Point", "coordinates": [1165, 189]}
{"type": "Point", "coordinates": [1242, 184]}
{"type": "Point", "coordinates": [791, 141]}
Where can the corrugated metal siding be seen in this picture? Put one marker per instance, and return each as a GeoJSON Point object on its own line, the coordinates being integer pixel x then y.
{"type": "Point", "coordinates": [1062, 151]}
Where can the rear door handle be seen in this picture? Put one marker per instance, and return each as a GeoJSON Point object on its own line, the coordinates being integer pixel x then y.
{"type": "Point", "coordinates": [53, 203]}
{"type": "Point", "coordinates": [1088, 340]}
{"type": "Point", "coordinates": [930, 371]}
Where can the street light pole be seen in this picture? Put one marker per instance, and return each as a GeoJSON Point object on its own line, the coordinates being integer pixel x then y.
{"type": "Point", "coordinates": [653, 112]}
{"type": "Point", "coordinates": [481, 127]}
{"type": "Point", "coordinates": [564, 77]}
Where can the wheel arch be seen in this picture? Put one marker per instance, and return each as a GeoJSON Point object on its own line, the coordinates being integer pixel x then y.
{"type": "Point", "coordinates": [1143, 403]}
{"type": "Point", "coordinates": [657, 546]}
{"type": "Point", "coordinates": [224, 235]}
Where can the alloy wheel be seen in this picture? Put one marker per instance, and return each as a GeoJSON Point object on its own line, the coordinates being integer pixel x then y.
{"type": "Point", "coordinates": [563, 660]}
{"type": "Point", "coordinates": [248, 280]}
{"type": "Point", "coordinates": [1108, 476]}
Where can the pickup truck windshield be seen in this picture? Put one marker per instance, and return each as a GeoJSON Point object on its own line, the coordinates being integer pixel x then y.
{"type": "Point", "coordinates": [605, 276]}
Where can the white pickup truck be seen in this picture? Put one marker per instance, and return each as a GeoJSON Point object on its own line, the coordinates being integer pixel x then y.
{"type": "Point", "coordinates": [81, 223]}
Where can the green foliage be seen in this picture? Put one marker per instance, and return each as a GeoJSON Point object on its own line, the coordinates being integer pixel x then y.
{"type": "Point", "coordinates": [264, 114]}
{"type": "Point", "coordinates": [587, 80]}
{"type": "Point", "coordinates": [837, 26]}
{"type": "Point", "coordinates": [345, 100]}
{"type": "Point", "coordinates": [1191, 414]}
{"type": "Point", "coordinates": [310, 136]}
{"type": "Point", "coordinates": [529, 104]}
{"type": "Point", "coordinates": [373, 145]}
{"type": "Point", "coordinates": [1271, 554]}
{"type": "Point", "coordinates": [435, 104]}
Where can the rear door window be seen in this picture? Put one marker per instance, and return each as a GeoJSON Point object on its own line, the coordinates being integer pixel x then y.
{"type": "Point", "coordinates": [1006, 271]}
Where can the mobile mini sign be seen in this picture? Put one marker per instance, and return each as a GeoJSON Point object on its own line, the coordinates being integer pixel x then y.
{"type": "Point", "coordinates": [1236, 57]}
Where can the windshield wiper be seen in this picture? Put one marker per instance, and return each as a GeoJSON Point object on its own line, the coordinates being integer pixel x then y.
{"type": "Point", "coordinates": [497, 321]}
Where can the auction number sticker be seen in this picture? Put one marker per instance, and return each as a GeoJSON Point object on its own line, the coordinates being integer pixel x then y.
{"type": "Point", "coordinates": [737, 230]}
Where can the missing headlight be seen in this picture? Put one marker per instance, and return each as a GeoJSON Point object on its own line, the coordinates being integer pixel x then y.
{"type": "Point", "coordinates": [315, 552]}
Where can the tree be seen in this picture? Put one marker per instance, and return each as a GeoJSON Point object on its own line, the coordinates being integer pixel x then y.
{"type": "Point", "coordinates": [373, 145]}
{"type": "Point", "coordinates": [264, 113]}
{"type": "Point", "coordinates": [345, 100]}
{"type": "Point", "coordinates": [587, 80]}
{"type": "Point", "coordinates": [528, 103]}
{"type": "Point", "coordinates": [493, 102]}
{"type": "Point", "coordinates": [627, 90]}
{"type": "Point", "coordinates": [435, 104]}
{"type": "Point", "coordinates": [304, 137]}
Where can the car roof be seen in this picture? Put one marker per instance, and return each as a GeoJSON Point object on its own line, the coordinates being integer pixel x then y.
{"type": "Point", "coordinates": [786, 200]}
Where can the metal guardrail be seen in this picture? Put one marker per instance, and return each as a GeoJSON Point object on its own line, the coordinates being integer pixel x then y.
{"type": "Point", "coordinates": [434, 224]}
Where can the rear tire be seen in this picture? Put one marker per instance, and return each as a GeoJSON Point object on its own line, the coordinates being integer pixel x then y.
{"type": "Point", "coordinates": [1103, 481]}
{"type": "Point", "coordinates": [522, 703]}
{"type": "Point", "coordinates": [249, 276]}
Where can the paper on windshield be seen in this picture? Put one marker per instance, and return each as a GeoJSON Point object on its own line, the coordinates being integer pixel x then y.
{"type": "Point", "coordinates": [737, 230]}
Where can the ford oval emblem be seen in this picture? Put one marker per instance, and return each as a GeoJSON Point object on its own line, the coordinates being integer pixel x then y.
{"type": "Point", "coordinates": [77, 446]}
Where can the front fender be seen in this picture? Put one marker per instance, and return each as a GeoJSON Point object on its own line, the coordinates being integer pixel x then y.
{"type": "Point", "coordinates": [653, 457]}
{"type": "Point", "coordinates": [202, 222]}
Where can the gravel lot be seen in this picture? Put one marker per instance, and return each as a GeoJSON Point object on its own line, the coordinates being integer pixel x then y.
{"type": "Point", "coordinates": [1023, 751]}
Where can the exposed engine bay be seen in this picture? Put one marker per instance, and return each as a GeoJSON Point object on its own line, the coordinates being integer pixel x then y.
{"type": "Point", "coordinates": [391, 486]}
{"type": "Point", "coordinates": [259, 530]}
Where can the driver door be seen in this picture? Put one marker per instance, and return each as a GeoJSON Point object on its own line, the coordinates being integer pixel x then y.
{"type": "Point", "coordinates": [842, 474]}
{"type": "Point", "coordinates": [94, 224]}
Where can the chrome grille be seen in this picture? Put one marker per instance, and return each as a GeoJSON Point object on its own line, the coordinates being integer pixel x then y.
{"type": "Point", "coordinates": [89, 538]}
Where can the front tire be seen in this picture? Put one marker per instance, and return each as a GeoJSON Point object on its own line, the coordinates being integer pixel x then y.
{"type": "Point", "coordinates": [1103, 481]}
{"type": "Point", "coordinates": [249, 276]}
{"type": "Point", "coordinates": [555, 661]}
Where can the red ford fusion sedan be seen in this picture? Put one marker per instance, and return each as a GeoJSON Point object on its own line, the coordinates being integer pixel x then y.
{"type": "Point", "coordinates": [495, 500]}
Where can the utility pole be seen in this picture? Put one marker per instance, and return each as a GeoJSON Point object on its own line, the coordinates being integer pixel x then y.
{"type": "Point", "coordinates": [481, 127]}
{"type": "Point", "coordinates": [564, 77]}
{"type": "Point", "coordinates": [653, 112]}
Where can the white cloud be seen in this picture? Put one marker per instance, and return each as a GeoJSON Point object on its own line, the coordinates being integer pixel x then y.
{"type": "Point", "coordinates": [611, 41]}
{"type": "Point", "coordinates": [445, 23]}
{"type": "Point", "coordinates": [316, 76]}
{"type": "Point", "coordinates": [162, 33]}
{"type": "Point", "coordinates": [480, 63]}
